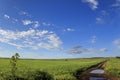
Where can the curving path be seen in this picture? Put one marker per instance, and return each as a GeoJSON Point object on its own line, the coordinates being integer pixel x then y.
{"type": "Point", "coordinates": [96, 73]}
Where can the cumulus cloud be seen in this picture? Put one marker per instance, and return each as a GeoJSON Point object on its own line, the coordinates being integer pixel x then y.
{"type": "Point", "coordinates": [31, 38]}
{"type": "Point", "coordinates": [93, 39]}
{"type": "Point", "coordinates": [27, 22]}
{"type": "Point", "coordinates": [6, 16]}
{"type": "Point", "coordinates": [117, 43]}
{"type": "Point", "coordinates": [36, 24]}
{"type": "Point", "coordinates": [79, 49]}
{"type": "Point", "coordinates": [92, 3]}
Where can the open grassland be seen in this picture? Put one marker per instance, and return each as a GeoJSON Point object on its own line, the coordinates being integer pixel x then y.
{"type": "Point", "coordinates": [59, 69]}
{"type": "Point", "coordinates": [113, 67]}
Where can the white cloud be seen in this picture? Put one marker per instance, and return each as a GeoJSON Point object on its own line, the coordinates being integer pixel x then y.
{"type": "Point", "coordinates": [36, 24]}
{"type": "Point", "coordinates": [24, 13]}
{"type": "Point", "coordinates": [116, 4]}
{"type": "Point", "coordinates": [93, 3]}
{"type": "Point", "coordinates": [14, 20]}
{"type": "Point", "coordinates": [99, 20]}
{"type": "Point", "coordinates": [117, 43]}
{"type": "Point", "coordinates": [103, 50]}
{"type": "Point", "coordinates": [80, 50]}
{"type": "Point", "coordinates": [104, 13]}
{"type": "Point", "coordinates": [93, 39]}
{"type": "Point", "coordinates": [31, 38]}
{"type": "Point", "coordinates": [69, 29]}
{"type": "Point", "coordinates": [27, 22]}
{"type": "Point", "coordinates": [47, 24]}
{"type": "Point", "coordinates": [6, 16]}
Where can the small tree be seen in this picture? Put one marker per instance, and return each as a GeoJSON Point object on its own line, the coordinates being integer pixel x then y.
{"type": "Point", "coordinates": [13, 62]}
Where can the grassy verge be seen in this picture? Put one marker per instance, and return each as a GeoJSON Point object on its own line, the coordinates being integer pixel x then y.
{"type": "Point", "coordinates": [113, 67]}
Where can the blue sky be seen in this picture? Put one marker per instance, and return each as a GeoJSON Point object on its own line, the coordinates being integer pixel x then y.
{"type": "Point", "coordinates": [60, 28]}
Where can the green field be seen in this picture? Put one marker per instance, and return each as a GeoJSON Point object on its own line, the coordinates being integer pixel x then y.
{"type": "Point", "coordinates": [113, 67]}
{"type": "Point", "coordinates": [58, 69]}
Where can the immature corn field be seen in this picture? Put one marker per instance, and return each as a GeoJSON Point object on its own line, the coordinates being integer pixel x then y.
{"type": "Point", "coordinates": [59, 69]}
{"type": "Point", "coordinates": [113, 67]}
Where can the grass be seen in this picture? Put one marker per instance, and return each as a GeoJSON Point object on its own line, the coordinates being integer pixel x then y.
{"type": "Point", "coordinates": [60, 69]}
{"type": "Point", "coordinates": [113, 67]}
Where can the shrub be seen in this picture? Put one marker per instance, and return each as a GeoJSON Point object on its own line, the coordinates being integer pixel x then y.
{"type": "Point", "coordinates": [40, 75]}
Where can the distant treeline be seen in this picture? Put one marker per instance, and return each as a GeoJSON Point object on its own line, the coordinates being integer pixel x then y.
{"type": "Point", "coordinates": [118, 57]}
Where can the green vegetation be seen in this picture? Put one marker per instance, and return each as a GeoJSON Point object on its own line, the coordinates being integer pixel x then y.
{"type": "Point", "coordinates": [48, 69]}
{"type": "Point", "coordinates": [59, 69]}
{"type": "Point", "coordinates": [13, 62]}
{"type": "Point", "coordinates": [113, 67]}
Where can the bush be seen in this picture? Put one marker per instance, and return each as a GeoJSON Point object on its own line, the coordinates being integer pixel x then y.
{"type": "Point", "coordinates": [40, 75]}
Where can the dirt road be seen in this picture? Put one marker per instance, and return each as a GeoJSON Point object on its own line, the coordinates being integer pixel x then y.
{"type": "Point", "coordinates": [87, 75]}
